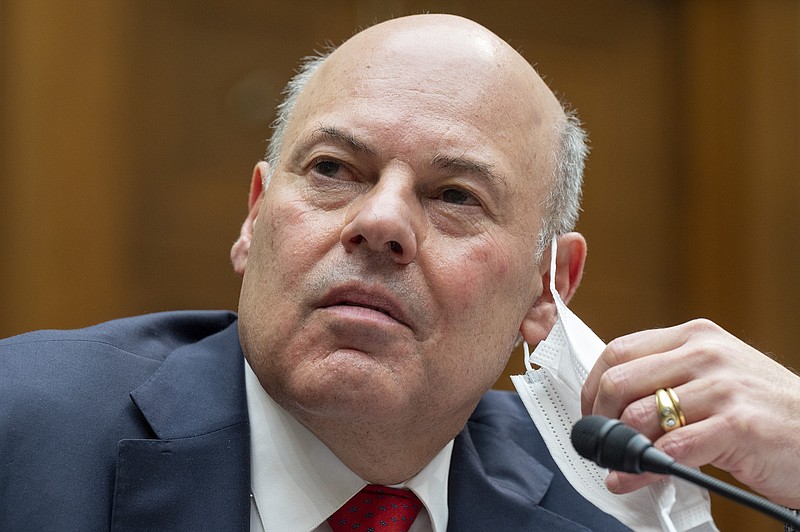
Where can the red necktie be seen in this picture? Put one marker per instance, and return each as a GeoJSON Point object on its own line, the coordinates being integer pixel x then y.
{"type": "Point", "coordinates": [377, 509]}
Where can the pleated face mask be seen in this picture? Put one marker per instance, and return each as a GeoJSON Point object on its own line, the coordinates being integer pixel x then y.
{"type": "Point", "coordinates": [551, 395]}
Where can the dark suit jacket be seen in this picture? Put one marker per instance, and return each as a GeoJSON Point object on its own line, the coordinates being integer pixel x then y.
{"type": "Point", "coordinates": [141, 424]}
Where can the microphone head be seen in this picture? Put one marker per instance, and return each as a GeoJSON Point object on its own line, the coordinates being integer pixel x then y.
{"type": "Point", "coordinates": [610, 443]}
{"type": "Point", "coordinates": [588, 435]}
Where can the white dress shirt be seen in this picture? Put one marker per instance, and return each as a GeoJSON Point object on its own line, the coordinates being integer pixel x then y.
{"type": "Point", "coordinates": [297, 482]}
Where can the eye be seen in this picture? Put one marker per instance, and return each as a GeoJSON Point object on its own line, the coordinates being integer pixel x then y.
{"type": "Point", "coordinates": [459, 197]}
{"type": "Point", "coordinates": [327, 167]}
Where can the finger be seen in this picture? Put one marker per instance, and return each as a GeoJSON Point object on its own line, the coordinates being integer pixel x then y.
{"type": "Point", "coordinates": [639, 378]}
{"type": "Point", "coordinates": [625, 349]}
{"type": "Point", "coordinates": [619, 482]}
{"type": "Point", "coordinates": [696, 401]}
{"type": "Point", "coordinates": [692, 445]}
{"type": "Point", "coordinates": [733, 441]}
{"type": "Point", "coordinates": [705, 442]}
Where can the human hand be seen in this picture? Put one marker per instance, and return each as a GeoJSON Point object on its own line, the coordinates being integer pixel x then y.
{"type": "Point", "coordinates": [742, 408]}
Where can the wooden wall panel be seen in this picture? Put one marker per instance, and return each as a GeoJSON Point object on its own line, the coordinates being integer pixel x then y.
{"type": "Point", "coordinates": [187, 125]}
{"type": "Point", "coordinates": [743, 164]}
{"type": "Point", "coordinates": [62, 161]}
{"type": "Point", "coordinates": [128, 132]}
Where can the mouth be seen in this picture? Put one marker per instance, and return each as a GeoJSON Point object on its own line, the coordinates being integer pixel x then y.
{"type": "Point", "coordinates": [373, 300]}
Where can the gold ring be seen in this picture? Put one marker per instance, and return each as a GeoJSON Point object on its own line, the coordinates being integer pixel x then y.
{"type": "Point", "coordinates": [669, 409]}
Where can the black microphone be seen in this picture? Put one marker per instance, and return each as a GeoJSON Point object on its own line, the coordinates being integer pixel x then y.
{"type": "Point", "coordinates": [613, 445]}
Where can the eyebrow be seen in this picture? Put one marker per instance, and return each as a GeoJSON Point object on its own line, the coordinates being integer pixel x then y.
{"type": "Point", "coordinates": [469, 166]}
{"type": "Point", "coordinates": [443, 162]}
{"type": "Point", "coordinates": [341, 137]}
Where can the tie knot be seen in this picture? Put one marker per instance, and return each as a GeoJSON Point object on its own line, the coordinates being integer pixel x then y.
{"type": "Point", "coordinates": [377, 509]}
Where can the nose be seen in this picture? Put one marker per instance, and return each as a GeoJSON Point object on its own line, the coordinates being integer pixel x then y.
{"type": "Point", "coordinates": [385, 219]}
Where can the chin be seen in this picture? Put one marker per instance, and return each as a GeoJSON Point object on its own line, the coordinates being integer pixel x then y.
{"type": "Point", "coordinates": [347, 393]}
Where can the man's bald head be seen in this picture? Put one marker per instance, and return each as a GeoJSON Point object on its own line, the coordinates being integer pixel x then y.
{"type": "Point", "coordinates": [424, 51]}
{"type": "Point", "coordinates": [389, 275]}
{"type": "Point", "coordinates": [448, 47]}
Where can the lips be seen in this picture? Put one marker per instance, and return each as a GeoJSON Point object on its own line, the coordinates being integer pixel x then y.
{"type": "Point", "coordinates": [373, 298]}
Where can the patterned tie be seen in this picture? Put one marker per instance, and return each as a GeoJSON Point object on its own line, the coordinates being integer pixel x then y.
{"type": "Point", "coordinates": [377, 509]}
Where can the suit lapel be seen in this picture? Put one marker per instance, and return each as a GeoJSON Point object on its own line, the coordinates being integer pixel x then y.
{"type": "Point", "coordinates": [496, 485]}
{"type": "Point", "coordinates": [196, 474]}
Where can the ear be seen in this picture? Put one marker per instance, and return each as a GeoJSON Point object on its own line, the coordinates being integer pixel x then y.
{"type": "Point", "coordinates": [241, 248]}
{"type": "Point", "coordinates": [570, 259]}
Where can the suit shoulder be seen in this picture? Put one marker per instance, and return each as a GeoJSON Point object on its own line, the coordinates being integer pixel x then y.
{"type": "Point", "coordinates": [152, 336]}
{"type": "Point", "coordinates": [73, 376]}
{"type": "Point", "coordinates": [502, 413]}
{"type": "Point", "coordinates": [499, 406]}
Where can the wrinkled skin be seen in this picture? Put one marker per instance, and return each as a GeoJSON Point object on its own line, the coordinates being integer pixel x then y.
{"type": "Point", "coordinates": [388, 267]}
{"type": "Point", "coordinates": [741, 406]}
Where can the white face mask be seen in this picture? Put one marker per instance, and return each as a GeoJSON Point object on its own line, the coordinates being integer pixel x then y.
{"type": "Point", "coordinates": [552, 394]}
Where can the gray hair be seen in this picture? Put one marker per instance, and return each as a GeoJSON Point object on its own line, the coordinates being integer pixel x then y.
{"type": "Point", "coordinates": [562, 204]}
{"type": "Point", "coordinates": [563, 201]}
{"type": "Point", "coordinates": [291, 93]}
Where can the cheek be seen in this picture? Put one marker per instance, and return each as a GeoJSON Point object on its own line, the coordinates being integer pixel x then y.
{"type": "Point", "coordinates": [296, 237]}
{"type": "Point", "coordinates": [288, 241]}
{"type": "Point", "coordinates": [489, 289]}
{"type": "Point", "coordinates": [491, 275]}
{"type": "Point", "coordinates": [493, 256]}
{"type": "Point", "coordinates": [482, 291]}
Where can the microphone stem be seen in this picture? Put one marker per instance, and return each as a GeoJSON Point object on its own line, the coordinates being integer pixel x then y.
{"type": "Point", "coordinates": [755, 502]}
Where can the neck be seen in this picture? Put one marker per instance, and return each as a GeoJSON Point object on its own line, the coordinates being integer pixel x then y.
{"type": "Point", "coordinates": [380, 454]}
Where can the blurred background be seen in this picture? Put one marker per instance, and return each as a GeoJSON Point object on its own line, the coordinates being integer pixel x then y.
{"type": "Point", "coordinates": [129, 130]}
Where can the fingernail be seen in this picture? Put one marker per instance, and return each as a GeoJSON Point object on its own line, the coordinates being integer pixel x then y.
{"type": "Point", "coordinates": [612, 482]}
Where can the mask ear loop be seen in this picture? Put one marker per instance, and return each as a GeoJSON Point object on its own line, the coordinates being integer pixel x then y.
{"type": "Point", "coordinates": [526, 349]}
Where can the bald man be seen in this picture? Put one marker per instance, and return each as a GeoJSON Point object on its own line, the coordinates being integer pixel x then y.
{"type": "Point", "coordinates": [393, 254]}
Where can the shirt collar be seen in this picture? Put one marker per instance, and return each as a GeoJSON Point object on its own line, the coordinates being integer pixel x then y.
{"type": "Point", "coordinates": [298, 482]}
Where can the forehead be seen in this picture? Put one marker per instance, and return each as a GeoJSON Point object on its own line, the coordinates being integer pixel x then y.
{"type": "Point", "coordinates": [431, 93]}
